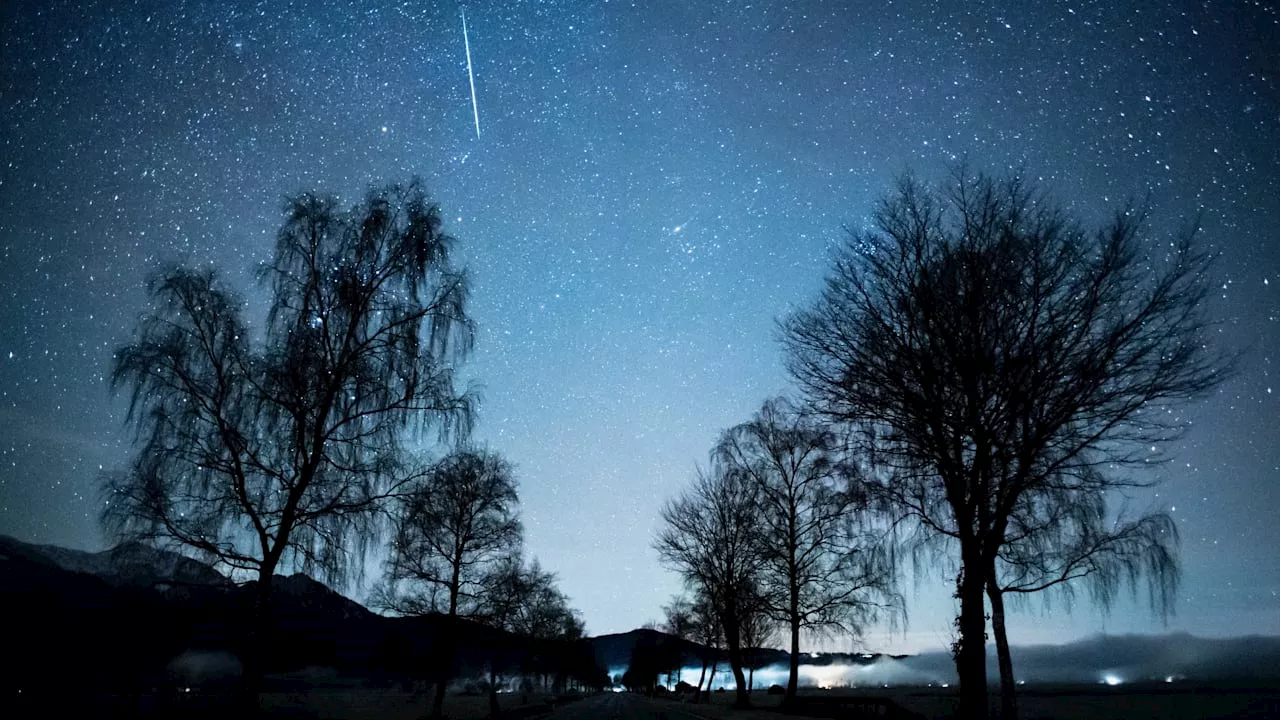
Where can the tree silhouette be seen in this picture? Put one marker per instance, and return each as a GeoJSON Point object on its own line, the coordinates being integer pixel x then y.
{"type": "Point", "coordinates": [708, 537]}
{"type": "Point", "coordinates": [679, 621]}
{"type": "Point", "coordinates": [262, 455]}
{"type": "Point", "coordinates": [522, 599]}
{"type": "Point", "coordinates": [995, 361]}
{"type": "Point", "coordinates": [1071, 540]}
{"type": "Point", "coordinates": [709, 633]}
{"type": "Point", "coordinates": [821, 572]}
{"type": "Point", "coordinates": [650, 657]}
{"type": "Point", "coordinates": [757, 629]}
{"type": "Point", "coordinates": [555, 628]}
{"type": "Point", "coordinates": [694, 619]}
{"type": "Point", "coordinates": [451, 531]}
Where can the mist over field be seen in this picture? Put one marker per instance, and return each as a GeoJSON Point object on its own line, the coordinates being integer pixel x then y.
{"type": "Point", "coordinates": [1101, 659]}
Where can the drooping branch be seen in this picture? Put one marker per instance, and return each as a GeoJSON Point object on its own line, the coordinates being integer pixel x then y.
{"type": "Point", "coordinates": [995, 362]}
{"type": "Point", "coordinates": [287, 452]}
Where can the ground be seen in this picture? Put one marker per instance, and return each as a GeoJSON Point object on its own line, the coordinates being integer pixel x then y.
{"type": "Point", "coordinates": [1178, 701]}
{"type": "Point", "coordinates": [383, 704]}
{"type": "Point", "coordinates": [1078, 702]}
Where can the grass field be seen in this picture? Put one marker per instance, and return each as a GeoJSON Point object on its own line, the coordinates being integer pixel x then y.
{"type": "Point", "coordinates": [1176, 701]}
{"type": "Point", "coordinates": [383, 704]}
{"type": "Point", "coordinates": [1138, 701]}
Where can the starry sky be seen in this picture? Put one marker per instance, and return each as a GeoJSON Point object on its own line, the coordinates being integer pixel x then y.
{"type": "Point", "coordinates": [654, 183]}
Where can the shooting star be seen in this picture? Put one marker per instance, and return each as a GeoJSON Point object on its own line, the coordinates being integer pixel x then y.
{"type": "Point", "coordinates": [475, 110]}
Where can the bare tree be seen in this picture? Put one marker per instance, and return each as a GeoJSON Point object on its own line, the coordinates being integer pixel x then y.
{"type": "Point", "coordinates": [709, 634]}
{"type": "Point", "coordinates": [758, 630]}
{"type": "Point", "coordinates": [507, 591]}
{"type": "Point", "coordinates": [257, 456]}
{"type": "Point", "coordinates": [1069, 540]}
{"type": "Point", "coordinates": [708, 538]}
{"type": "Point", "coordinates": [992, 356]}
{"type": "Point", "coordinates": [822, 570]}
{"type": "Point", "coordinates": [679, 621]}
{"type": "Point", "coordinates": [522, 599]}
{"type": "Point", "coordinates": [547, 619]}
{"type": "Point", "coordinates": [652, 656]}
{"type": "Point", "coordinates": [694, 619]}
{"type": "Point", "coordinates": [451, 531]}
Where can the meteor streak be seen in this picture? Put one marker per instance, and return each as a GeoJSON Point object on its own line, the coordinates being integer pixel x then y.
{"type": "Point", "coordinates": [475, 110]}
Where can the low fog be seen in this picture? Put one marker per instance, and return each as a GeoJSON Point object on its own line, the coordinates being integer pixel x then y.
{"type": "Point", "coordinates": [1102, 659]}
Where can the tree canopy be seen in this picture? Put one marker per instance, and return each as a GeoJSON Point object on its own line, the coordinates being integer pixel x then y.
{"type": "Point", "coordinates": [822, 568]}
{"type": "Point", "coordinates": [708, 536]}
{"type": "Point", "coordinates": [258, 455]}
{"type": "Point", "coordinates": [253, 454]}
{"type": "Point", "coordinates": [996, 363]}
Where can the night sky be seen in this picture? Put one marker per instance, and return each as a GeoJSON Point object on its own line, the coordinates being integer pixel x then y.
{"type": "Point", "coordinates": [654, 184]}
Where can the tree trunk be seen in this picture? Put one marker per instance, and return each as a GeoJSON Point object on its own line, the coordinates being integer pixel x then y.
{"type": "Point", "coordinates": [751, 677]}
{"type": "Point", "coordinates": [698, 695]}
{"type": "Point", "coordinates": [444, 665]}
{"type": "Point", "coordinates": [971, 650]}
{"type": "Point", "coordinates": [733, 639]}
{"type": "Point", "coordinates": [449, 647]}
{"type": "Point", "coordinates": [253, 663]}
{"type": "Point", "coordinates": [793, 672]}
{"type": "Point", "coordinates": [1008, 690]}
{"type": "Point", "coordinates": [715, 667]}
{"type": "Point", "coordinates": [742, 701]}
{"type": "Point", "coordinates": [494, 710]}
{"type": "Point", "coordinates": [437, 702]}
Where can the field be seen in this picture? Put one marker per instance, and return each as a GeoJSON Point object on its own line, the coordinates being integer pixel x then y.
{"type": "Point", "coordinates": [1177, 701]}
{"type": "Point", "coordinates": [336, 701]}
{"type": "Point", "coordinates": [322, 701]}
{"type": "Point", "coordinates": [383, 704]}
{"type": "Point", "coordinates": [1174, 701]}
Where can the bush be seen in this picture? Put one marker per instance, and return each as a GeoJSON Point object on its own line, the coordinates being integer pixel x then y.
{"type": "Point", "coordinates": [777, 690]}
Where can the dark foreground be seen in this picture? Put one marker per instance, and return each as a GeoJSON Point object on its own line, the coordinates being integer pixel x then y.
{"type": "Point", "coordinates": [624, 706]}
{"type": "Point", "coordinates": [1175, 701]}
{"type": "Point", "coordinates": [1171, 701]}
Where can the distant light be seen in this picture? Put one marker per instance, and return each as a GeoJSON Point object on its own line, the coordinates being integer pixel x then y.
{"type": "Point", "coordinates": [813, 655]}
{"type": "Point", "coordinates": [1112, 680]}
{"type": "Point", "coordinates": [1168, 678]}
{"type": "Point", "coordinates": [946, 685]}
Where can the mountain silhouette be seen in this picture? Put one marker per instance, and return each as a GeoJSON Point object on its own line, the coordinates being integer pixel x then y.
{"type": "Point", "coordinates": [132, 564]}
{"type": "Point", "coordinates": [134, 619]}
{"type": "Point", "coordinates": [131, 619]}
